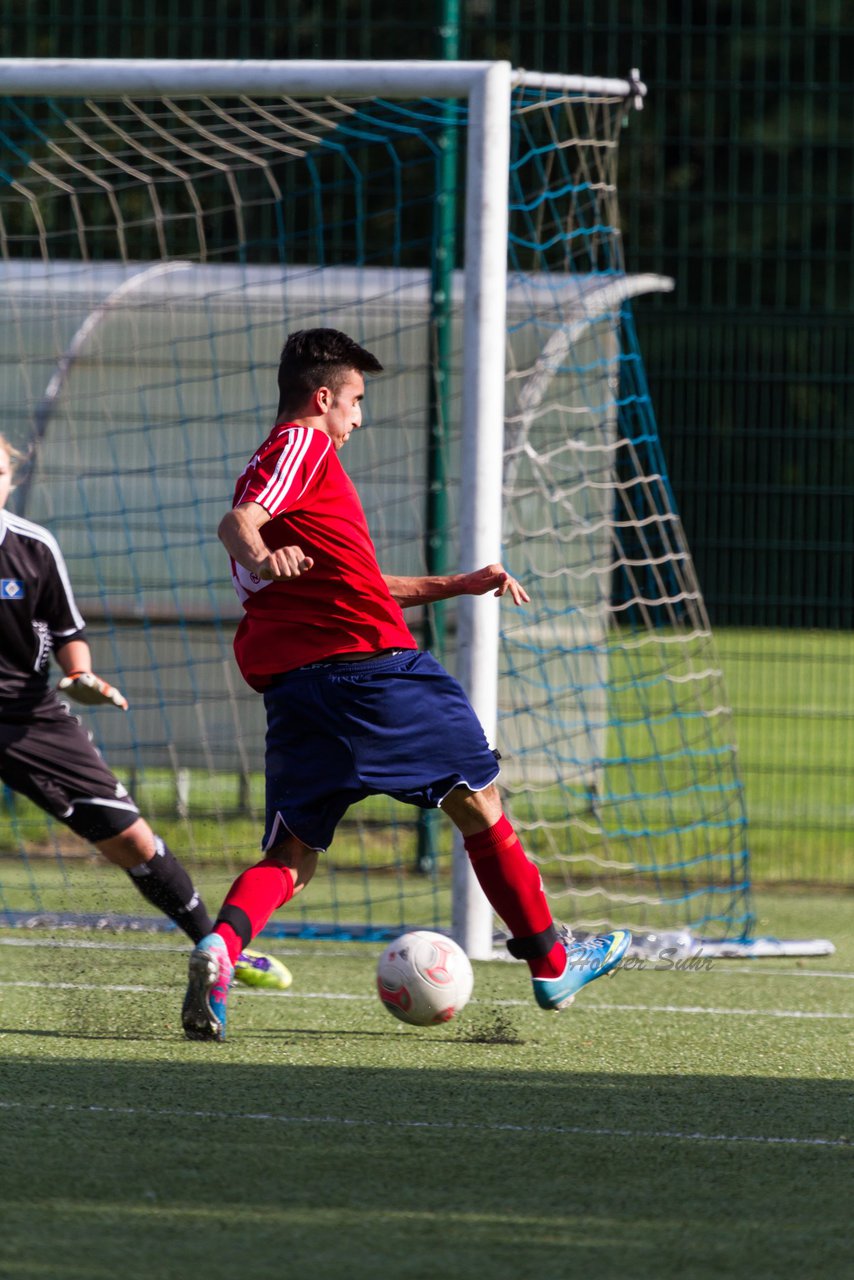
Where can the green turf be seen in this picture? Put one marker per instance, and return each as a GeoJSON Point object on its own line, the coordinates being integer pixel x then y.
{"type": "Point", "coordinates": [672, 1124]}
{"type": "Point", "coordinates": [793, 705]}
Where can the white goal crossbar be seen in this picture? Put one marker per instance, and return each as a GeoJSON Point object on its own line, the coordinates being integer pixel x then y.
{"type": "Point", "coordinates": [95, 77]}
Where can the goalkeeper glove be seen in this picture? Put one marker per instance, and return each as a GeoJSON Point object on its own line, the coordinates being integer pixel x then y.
{"type": "Point", "coordinates": [85, 686]}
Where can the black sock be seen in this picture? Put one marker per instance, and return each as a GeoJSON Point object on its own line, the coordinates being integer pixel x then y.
{"type": "Point", "coordinates": [165, 884]}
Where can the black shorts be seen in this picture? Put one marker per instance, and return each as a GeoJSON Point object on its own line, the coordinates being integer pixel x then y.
{"type": "Point", "coordinates": [48, 756]}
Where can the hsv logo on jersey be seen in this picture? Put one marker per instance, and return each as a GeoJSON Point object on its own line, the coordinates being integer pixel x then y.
{"type": "Point", "coordinates": [11, 589]}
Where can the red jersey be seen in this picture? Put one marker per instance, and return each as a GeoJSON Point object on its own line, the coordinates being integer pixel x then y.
{"type": "Point", "coordinates": [340, 605]}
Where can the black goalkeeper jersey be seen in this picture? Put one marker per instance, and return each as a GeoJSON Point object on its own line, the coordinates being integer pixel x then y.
{"type": "Point", "coordinates": [37, 610]}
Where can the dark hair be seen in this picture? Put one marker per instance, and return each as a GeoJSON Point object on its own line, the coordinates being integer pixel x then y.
{"type": "Point", "coordinates": [313, 358]}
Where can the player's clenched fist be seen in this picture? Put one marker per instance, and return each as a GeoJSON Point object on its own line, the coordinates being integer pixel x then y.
{"type": "Point", "coordinates": [287, 562]}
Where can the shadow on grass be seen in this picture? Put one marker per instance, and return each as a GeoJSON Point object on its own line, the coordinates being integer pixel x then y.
{"type": "Point", "coordinates": [79, 1035]}
{"type": "Point", "coordinates": [351, 1171]}
{"type": "Point", "coordinates": [773, 1111]}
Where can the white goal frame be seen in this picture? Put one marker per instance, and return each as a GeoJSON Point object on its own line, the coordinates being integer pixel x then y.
{"type": "Point", "coordinates": [487, 87]}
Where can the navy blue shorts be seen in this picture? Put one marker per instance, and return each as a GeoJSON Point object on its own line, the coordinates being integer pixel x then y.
{"type": "Point", "coordinates": [397, 725]}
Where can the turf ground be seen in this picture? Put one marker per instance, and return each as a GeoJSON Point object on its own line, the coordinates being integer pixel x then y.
{"type": "Point", "coordinates": [691, 1123]}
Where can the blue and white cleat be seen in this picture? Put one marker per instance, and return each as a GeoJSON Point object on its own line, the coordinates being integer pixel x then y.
{"type": "Point", "coordinates": [204, 1010]}
{"type": "Point", "coordinates": [586, 960]}
{"type": "Point", "coordinates": [254, 969]}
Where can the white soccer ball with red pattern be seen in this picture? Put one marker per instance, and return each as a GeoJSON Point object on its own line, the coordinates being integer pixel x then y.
{"type": "Point", "coordinates": [424, 978]}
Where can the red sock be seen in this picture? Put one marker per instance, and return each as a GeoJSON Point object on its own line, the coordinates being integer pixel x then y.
{"type": "Point", "coordinates": [249, 903]}
{"type": "Point", "coordinates": [514, 889]}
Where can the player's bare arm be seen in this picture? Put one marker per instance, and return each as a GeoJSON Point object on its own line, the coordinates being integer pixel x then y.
{"type": "Point", "coordinates": [74, 656]}
{"type": "Point", "coordinates": [427, 590]}
{"type": "Point", "coordinates": [240, 533]}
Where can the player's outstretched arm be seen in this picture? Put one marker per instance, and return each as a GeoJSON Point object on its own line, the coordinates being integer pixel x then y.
{"type": "Point", "coordinates": [80, 681]}
{"type": "Point", "coordinates": [240, 533]}
{"type": "Point", "coordinates": [427, 590]}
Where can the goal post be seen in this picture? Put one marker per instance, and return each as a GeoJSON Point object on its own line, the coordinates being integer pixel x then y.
{"type": "Point", "coordinates": [162, 226]}
{"type": "Point", "coordinates": [483, 441]}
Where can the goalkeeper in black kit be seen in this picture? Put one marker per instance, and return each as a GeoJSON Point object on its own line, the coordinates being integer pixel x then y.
{"type": "Point", "coordinates": [45, 752]}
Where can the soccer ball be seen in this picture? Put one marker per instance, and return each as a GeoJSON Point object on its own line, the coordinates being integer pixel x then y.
{"type": "Point", "coordinates": [424, 978]}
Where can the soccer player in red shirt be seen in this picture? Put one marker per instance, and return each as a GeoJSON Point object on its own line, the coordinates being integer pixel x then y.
{"type": "Point", "coordinates": [353, 707]}
{"type": "Point", "coordinates": [47, 755]}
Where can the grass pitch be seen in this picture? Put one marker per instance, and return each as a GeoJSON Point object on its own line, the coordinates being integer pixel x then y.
{"type": "Point", "coordinates": [673, 1123]}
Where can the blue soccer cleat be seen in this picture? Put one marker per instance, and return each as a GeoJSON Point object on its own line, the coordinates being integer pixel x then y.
{"type": "Point", "coordinates": [254, 969]}
{"type": "Point", "coordinates": [204, 1010]}
{"type": "Point", "coordinates": [585, 960]}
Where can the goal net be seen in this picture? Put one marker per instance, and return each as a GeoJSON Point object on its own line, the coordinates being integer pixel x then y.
{"type": "Point", "coordinates": [162, 229]}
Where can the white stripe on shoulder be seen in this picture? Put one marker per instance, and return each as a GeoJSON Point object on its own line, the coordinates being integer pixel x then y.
{"type": "Point", "coordinates": [28, 529]}
{"type": "Point", "coordinates": [294, 450]}
{"type": "Point", "coordinates": [292, 458]}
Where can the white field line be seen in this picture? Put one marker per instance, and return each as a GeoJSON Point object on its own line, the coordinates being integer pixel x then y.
{"type": "Point", "coordinates": [719, 968]}
{"type": "Point", "coordinates": [691, 1010]}
{"type": "Point", "coordinates": [721, 1012]}
{"type": "Point", "coordinates": [452, 1126]}
{"type": "Point", "coordinates": [76, 944]}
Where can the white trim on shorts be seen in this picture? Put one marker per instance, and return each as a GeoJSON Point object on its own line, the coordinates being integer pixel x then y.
{"type": "Point", "coordinates": [464, 783]}
{"type": "Point", "coordinates": [128, 806]}
{"type": "Point", "coordinates": [275, 838]}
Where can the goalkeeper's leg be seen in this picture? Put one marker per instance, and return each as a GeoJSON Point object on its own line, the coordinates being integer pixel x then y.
{"type": "Point", "coordinates": [50, 758]}
{"type": "Point", "coordinates": [156, 873]}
